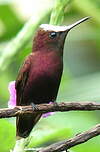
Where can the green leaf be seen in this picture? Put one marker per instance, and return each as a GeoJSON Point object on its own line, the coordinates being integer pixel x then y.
{"type": "Point", "coordinates": [8, 20]}
{"type": "Point", "coordinates": [43, 137]}
{"type": "Point", "coordinates": [57, 15]}
{"type": "Point", "coordinates": [7, 135]}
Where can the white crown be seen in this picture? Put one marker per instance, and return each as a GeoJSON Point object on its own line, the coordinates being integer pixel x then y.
{"type": "Point", "coordinates": [55, 28]}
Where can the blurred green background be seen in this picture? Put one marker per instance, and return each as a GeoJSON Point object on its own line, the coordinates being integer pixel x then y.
{"type": "Point", "coordinates": [81, 76]}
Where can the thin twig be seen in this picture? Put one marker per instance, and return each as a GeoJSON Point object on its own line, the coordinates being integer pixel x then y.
{"type": "Point", "coordinates": [44, 108]}
{"type": "Point", "coordinates": [78, 139]}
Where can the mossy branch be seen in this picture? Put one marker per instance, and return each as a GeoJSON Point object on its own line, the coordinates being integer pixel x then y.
{"type": "Point", "coordinates": [76, 140]}
{"type": "Point", "coordinates": [44, 108]}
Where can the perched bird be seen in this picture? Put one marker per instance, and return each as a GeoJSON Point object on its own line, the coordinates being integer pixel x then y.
{"type": "Point", "coordinates": [40, 75]}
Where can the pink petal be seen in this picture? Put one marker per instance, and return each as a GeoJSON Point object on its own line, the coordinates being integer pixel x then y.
{"type": "Point", "coordinates": [12, 100]}
{"type": "Point", "coordinates": [12, 91]}
{"type": "Point", "coordinates": [48, 114]}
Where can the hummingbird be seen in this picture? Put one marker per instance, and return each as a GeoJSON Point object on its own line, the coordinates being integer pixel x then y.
{"type": "Point", "coordinates": [39, 77]}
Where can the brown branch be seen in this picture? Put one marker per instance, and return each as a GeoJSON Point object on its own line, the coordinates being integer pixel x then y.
{"type": "Point", "coordinates": [78, 139]}
{"type": "Point", "coordinates": [44, 108]}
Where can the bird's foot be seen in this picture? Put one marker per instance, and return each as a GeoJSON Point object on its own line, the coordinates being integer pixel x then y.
{"type": "Point", "coordinates": [34, 107]}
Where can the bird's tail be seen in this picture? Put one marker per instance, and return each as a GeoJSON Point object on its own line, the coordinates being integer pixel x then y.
{"type": "Point", "coordinates": [25, 123]}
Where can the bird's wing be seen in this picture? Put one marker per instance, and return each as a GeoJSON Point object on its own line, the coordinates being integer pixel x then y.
{"type": "Point", "coordinates": [22, 79]}
{"type": "Point", "coordinates": [24, 122]}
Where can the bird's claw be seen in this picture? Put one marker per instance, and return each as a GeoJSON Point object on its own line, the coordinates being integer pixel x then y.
{"type": "Point", "coordinates": [34, 107]}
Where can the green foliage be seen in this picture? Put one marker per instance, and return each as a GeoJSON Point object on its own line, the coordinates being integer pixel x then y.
{"type": "Point", "coordinates": [57, 15]}
{"type": "Point", "coordinates": [48, 135]}
{"type": "Point", "coordinates": [81, 77]}
{"type": "Point", "coordinates": [9, 19]}
{"type": "Point", "coordinates": [7, 135]}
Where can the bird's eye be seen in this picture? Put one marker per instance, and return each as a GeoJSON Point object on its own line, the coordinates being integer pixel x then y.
{"type": "Point", "coordinates": [52, 35]}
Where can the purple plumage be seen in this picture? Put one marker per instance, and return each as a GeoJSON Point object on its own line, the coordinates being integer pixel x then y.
{"type": "Point", "coordinates": [39, 77]}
